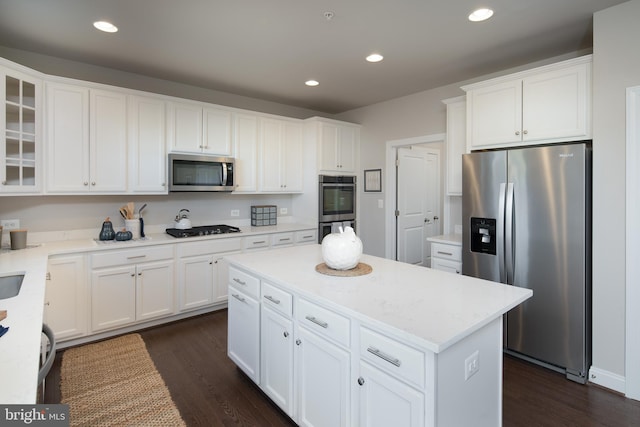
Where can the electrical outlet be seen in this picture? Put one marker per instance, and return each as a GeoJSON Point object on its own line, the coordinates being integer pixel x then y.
{"type": "Point", "coordinates": [235, 212]}
{"type": "Point", "coordinates": [10, 224]}
{"type": "Point", "coordinates": [380, 203]}
{"type": "Point", "coordinates": [283, 211]}
{"type": "Point", "coordinates": [471, 365]}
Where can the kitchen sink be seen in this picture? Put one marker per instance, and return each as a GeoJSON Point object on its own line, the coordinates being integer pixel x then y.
{"type": "Point", "coordinates": [10, 285]}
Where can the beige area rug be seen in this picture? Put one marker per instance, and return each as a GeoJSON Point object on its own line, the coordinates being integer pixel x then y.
{"type": "Point", "coordinates": [115, 383]}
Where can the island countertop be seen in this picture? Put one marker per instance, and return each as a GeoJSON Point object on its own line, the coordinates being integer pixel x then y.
{"type": "Point", "coordinates": [432, 308]}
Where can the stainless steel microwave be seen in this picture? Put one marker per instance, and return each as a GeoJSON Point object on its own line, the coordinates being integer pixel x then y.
{"type": "Point", "coordinates": [199, 172]}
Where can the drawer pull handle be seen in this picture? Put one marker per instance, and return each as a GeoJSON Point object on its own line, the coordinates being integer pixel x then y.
{"type": "Point", "coordinates": [384, 356]}
{"type": "Point", "coordinates": [272, 299]}
{"type": "Point", "coordinates": [285, 239]}
{"type": "Point", "coordinates": [261, 242]}
{"type": "Point", "coordinates": [317, 321]}
{"type": "Point", "coordinates": [137, 256]}
{"type": "Point", "coordinates": [310, 236]}
{"type": "Point", "coordinates": [445, 253]}
{"type": "Point", "coordinates": [235, 279]}
{"type": "Point", "coordinates": [238, 297]}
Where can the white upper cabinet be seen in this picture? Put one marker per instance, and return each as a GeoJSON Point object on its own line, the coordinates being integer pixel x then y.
{"type": "Point", "coordinates": [20, 127]}
{"type": "Point", "coordinates": [147, 145]}
{"type": "Point", "coordinates": [456, 142]}
{"type": "Point", "coordinates": [338, 147]}
{"type": "Point", "coordinates": [547, 104]}
{"type": "Point", "coordinates": [86, 140]}
{"type": "Point", "coordinates": [195, 128]}
{"type": "Point", "coordinates": [245, 143]}
{"type": "Point", "coordinates": [280, 156]}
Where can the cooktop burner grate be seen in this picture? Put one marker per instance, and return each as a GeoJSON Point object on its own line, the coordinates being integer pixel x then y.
{"type": "Point", "coordinates": [203, 230]}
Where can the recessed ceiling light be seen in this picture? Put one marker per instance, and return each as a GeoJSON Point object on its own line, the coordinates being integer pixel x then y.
{"type": "Point", "coordinates": [105, 26]}
{"type": "Point", "coordinates": [480, 15]}
{"type": "Point", "coordinates": [312, 83]}
{"type": "Point", "coordinates": [375, 57]}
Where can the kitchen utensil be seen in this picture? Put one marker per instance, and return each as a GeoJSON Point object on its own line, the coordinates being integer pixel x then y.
{"type": "Point", "coordinates": [131, 209]}
{"type": "Point", "coordinates": [141, 208]}
{"type": "Point", "coordinates": [133, 226]}
{"type": "Point", "coordinates": [141, 228]}
{"type": "Point", "coordinates": [182, 220]}
{"type": "Point", "coordinates": [123, 213]}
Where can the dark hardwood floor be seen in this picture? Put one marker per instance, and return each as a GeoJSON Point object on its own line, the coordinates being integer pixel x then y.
{"type": "Point", "coordinates": [209, 390]}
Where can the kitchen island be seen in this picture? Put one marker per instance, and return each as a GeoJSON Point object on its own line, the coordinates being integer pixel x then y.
{"type": "Point", "coordinates": [402, 345]}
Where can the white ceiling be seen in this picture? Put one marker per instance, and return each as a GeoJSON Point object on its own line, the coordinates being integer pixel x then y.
{"type": "Point", "coordinates": [266, 49]}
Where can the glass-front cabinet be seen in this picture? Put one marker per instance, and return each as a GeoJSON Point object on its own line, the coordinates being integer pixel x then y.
{"type": "Point", "coordinates": [20, 124]}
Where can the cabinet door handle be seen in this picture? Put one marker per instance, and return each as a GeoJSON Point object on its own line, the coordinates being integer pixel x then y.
{"type": "Point", "coordinates": [517, 132]}
{"type": "Point", "coordinates": [525, 131]}
{"type": "Point", "coordinates": [238, 297]}
{"type": "Point", "coordinates": [317, 321]}
{"type": "Point", "coordinates": [272, 299]}
{"type": "Point", "coordinates": [286, 334]}
{"type": "Point", "coordinates": [384, 356]}
{"type": "Point", "coordinates": [235, 279]}
{"type": "Point", "coordinates": [445, 253]}
{"type": "Point", "coordinates": [298, 342]}
{"type": "Point", "coordinates": [360, 381]}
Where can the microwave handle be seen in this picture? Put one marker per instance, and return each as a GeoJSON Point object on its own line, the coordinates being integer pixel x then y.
{"type": "Point", "coordinates": [224, 174]}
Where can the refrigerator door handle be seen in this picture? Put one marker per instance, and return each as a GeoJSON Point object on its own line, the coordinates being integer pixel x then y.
{"type": "Point", "coordinates": [500, 233]}
{"type": "Point", "coordinates": [508, 231]}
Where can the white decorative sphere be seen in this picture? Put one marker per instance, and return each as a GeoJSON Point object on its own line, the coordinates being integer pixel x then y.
{"type": "Point", "coordinates": [342, 251]}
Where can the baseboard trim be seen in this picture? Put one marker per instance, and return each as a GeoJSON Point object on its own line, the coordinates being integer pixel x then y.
{"type": "Point", "coordinates": [607, 379]}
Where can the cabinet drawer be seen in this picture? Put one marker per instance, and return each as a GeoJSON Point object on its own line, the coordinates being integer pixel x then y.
{"type": "Point", "coordinates": [394, 357]}
{"type": "Point", "coordinates": [244, 281]}
{"type": "Point", "coordinates": [131, 256]}
{"type": "Point", "coordinates": [277, 299]}
{"type": "Point", "coordinates": [307, 236]}
{"type": "Point", "coordinates": [282, 239]}
{"type": "Point", "coordinates": [324, 322]}
{"type": "Point", "coordinates": [446, 265]}
{"type": "Point", "coordinates": [451, 252]}
{"type": "Point", "coordinates": [212, 246]}
{"type": "Point", "coordinates": [256, 242]}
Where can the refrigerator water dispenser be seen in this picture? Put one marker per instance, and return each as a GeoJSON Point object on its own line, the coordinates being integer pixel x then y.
{"type": "Point", "coordinates": [483, 235]}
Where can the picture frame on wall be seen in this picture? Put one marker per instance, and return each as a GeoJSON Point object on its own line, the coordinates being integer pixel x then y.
{"type": "Point", "coordinates": [373, 180]}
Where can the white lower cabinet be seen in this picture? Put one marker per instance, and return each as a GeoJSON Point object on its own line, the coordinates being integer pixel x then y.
{"type": "Point", "coordinates": [131, 285]}
{"type": "Point", "coordinates": [310, 366]}
{"type": "Point", "coordinates": [65, 307]}
{"type": "Point", "coordinates": [385, 401]}
{"type": "Point", "coordinates": [276, 359]}
{"type": "Point", "coordinates": [446, 257]}
{"type": "Point", "coordinates": [243, 335]}
{"type": "Point", "coordinates": [323, 381]}
{"type": "Point", "coordinates": [201, 281]}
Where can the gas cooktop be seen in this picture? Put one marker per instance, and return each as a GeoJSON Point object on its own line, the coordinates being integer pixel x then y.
{"type": "Point", "coordinates": [203, 230]}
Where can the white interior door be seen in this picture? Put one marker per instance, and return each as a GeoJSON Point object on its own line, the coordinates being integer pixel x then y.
{"type": "Point", "coordinates": [418, 204]}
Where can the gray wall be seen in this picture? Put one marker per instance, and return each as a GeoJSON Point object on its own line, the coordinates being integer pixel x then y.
{"type": "Point", "coordinates": [616, 66]}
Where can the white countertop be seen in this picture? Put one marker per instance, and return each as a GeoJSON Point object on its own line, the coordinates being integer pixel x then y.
{"type": "Point", "coordinates": [430, 308]}
{"type": "Point", "coordinates": [447, 239]}
{"type": "Point", "coordinates": [20, 346]}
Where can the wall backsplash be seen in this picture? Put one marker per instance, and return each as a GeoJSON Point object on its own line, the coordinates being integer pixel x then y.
{"type": "Point", "coordinates": [62, 213]}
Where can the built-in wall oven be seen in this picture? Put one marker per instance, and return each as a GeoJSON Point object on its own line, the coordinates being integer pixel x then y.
{"type": "Point", "coordinates": [336, 204]}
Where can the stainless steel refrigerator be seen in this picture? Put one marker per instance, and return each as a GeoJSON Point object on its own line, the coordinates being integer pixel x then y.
{"type": "Point", "coordinates": [526, 216]}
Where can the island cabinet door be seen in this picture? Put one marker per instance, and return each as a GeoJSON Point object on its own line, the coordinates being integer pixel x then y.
{"type": "Point", "coordinates": [243, 342]}
{"type": "Point", "coordinates": [276, 360]}
{"type": "Point", "coordinates": [322, 381]}
{"type": "Point", "coordinates": [385, 401]}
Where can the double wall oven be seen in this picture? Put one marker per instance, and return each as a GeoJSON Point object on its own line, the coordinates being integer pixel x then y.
{"type": "Point", "coordinates": [337, 203]}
